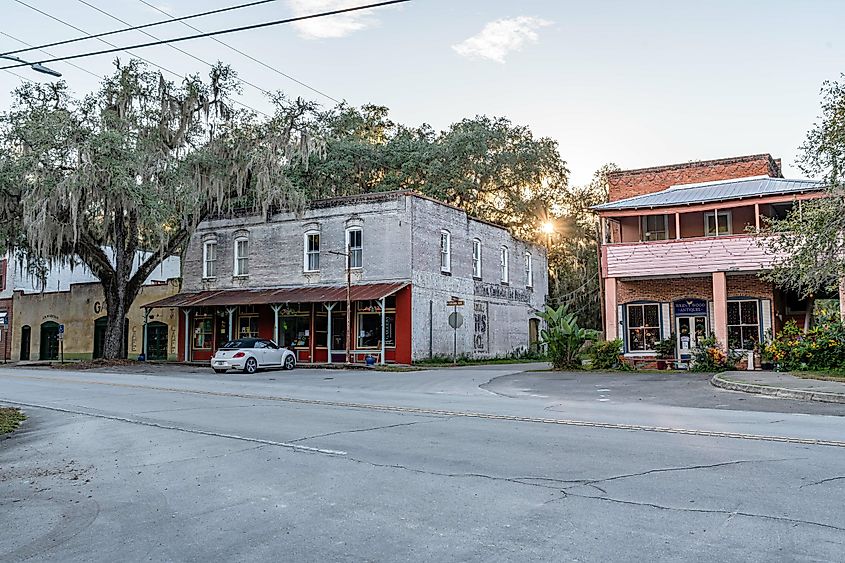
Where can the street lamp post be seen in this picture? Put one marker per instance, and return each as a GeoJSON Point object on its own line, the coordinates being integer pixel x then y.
{"type": "Point", "coordinates": [37, 67]}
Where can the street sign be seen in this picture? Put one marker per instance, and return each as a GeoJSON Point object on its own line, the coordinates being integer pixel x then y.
{"type": "Point", "coordinates": [61, 329]}
{"type": "Point", "coordinates": [455, 303]}
{"type": "Point", "coordinates": [456, 320]}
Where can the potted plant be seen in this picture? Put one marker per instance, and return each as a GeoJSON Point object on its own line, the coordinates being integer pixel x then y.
{"type": "Point", "coordinates": [665, 350]}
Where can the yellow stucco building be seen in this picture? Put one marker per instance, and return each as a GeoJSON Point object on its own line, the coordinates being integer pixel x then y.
{"type": "Point", "coordinates": [38, 318]}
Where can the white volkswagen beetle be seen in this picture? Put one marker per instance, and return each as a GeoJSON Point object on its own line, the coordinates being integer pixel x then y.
{"type": "Point", "coordinates": [250, 354]}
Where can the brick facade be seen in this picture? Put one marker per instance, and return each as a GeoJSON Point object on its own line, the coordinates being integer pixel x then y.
{"type": "Point", "coordinates": [664, 290]}
{"type": "Point", "coordinates": [630, 183]}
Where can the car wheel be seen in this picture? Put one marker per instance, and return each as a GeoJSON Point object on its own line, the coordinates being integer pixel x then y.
{"type": "Point", "coordinates": [219, 371]}
{"type": "Point", "coordinates": [289, 362]}
{"type": "Point", "coordinates": [251, 366]}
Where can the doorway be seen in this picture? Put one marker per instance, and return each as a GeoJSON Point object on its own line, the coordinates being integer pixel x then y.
{"type": "Point", "coordinates": [533, 334]}
{"type": "Point", "coordinates": [49, 348]}
{"type": "Point", "coordinates": [26, 336]}
{"type": "Point", "coordinates": [100, 337]}
{"type": "Point", "coordinates": [691, 331]}
{"type": "Point", "coordinates": [156, 341]}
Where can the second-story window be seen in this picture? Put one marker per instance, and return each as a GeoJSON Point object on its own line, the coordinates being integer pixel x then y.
{"type": "Point", "coordinates": [209, 259]}
{"type": "Point", "coordinates": [445, 251]}
{"type": "Point", "coordinates": [503, 264]}
{"type": "Point", "coordinates": [312, 252]}
{"type": "Point", "coordinates": [242, 256]}
{"type": "Point", "coordinates": [655, 227]}
{"type": "Point", "coordinates": [355, 248]}
{"type": "Point", "coordinates": [722, 218]}
{"type": "Point", "coordinates": [476, 258]}
{"type": "Point", "coordinates": [529, 271]}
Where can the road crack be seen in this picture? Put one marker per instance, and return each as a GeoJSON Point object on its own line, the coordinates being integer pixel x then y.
{"type": "Point", "coordinates": [828, 480]}
{"type": "Point", "coordinates": [370, 429]}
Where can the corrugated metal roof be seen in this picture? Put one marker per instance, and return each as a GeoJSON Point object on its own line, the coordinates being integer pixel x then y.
{"type": "Point", "coordinates": [301, 294]}
{"type": "Point", "coordinates": [714, 191]}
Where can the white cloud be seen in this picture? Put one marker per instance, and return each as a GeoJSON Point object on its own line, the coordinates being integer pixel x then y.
{"type": "Point", "coordinates": [339, 25]}
{"type": "Point", "coordinates": [500, 37]}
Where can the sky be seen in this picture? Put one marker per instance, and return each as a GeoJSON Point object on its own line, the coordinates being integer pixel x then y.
{"type": "Point", "coordinates": [635, 83]}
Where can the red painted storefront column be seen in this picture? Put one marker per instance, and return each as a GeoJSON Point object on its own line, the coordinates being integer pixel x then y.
{"type": "Point", "coordinates": [720, 308]}
{"type": "Point", "coordinates": [403, 326]}
{"type": "Point", "coordinates": [611, 323]}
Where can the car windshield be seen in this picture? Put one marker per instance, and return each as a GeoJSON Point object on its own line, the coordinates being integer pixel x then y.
{"type": "Point", "coordinates": [235, 344]}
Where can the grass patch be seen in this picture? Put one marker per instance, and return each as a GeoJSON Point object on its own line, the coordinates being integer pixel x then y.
{"type": "Point", "coordinates": [94, 364]}
{"type": "Point", "coordinates": [10, 418]}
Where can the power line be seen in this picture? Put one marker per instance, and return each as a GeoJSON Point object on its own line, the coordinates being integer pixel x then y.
{"type": "Point", "coordinates": [24, 78]}
{"type": "Point", "coordinates": [247, 55]}
{"type": "Point", "coordinates": [158, 66]}
{"type": "Point", "coordinates": [184, 52]}
{"type": "Point", "coordinates": [209, 34]}
{"type": "Point", "coordinates": [43, 51]}
{"type": "Point", "coordinates": [163, 22]}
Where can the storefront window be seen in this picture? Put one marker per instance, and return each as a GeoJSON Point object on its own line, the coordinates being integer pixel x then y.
{"type": "Point", "coordinates": [295, 331]}
{"type": "Point", "coordinates": [247, 323]}
{"type": "Point", "coordinates": [369, 330]}
{"type": "Point", "coordinates": [203, 330]}
{"type": "Point", "coordinates": [643, 327]}
{"type": "Point", "coordinates": [743, 324]}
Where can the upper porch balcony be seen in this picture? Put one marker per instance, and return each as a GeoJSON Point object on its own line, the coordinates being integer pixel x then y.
{"type": "Point", "coordinates": [662, 235]}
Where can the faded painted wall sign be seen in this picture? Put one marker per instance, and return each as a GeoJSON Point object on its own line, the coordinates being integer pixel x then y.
{"type": "Point", "coordinates": [480, 339]}
{"type": "Point", "coordinates": [485, 289]}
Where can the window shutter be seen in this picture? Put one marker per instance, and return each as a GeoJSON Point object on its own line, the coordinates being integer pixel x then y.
{"type": "Point", "coordinates": [620, 324]}
{"type": "Point", "coordinates": [766, 317]}
{"type": "Point", "coordinates": [665, 321]}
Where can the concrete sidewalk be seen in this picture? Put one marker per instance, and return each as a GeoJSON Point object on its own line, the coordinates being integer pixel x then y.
{"type": "Point", "coordinates": [781, 385]}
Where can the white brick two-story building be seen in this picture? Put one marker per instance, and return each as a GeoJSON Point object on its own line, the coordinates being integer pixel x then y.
{"type": "Point", "coordinates": [284, 276]}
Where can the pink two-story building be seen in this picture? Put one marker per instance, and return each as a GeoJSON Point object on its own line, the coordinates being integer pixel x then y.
{"type": "Point", "coordinates": [679, 255]}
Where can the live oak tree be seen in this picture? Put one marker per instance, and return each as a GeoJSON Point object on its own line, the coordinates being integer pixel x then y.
{"type": "Point", "coordinates": [119, 179]}
{"type": "Point", "coordinates": [811, 239]}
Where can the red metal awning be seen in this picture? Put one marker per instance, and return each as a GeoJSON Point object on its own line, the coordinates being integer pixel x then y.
{"type": "Point", "coordinates": [300, 294]}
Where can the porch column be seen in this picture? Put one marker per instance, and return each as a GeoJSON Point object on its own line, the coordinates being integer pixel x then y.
{"type": "Point", "coordinates": [231, 311]}
{"type": "Point", "coordinates": [757, 216]}
{"type": "Point", "coordinates": [276, 309]}
{"type": "Point", "coordinates": [720, 308]}
{"type": "Point", "coordinates": [144, 333]}
{"type": "Point", "coordinates": [611, 321]}
{"type": "Point", "coordinates": [677, 226]}
{"type": "Point", "coordinates": [187, 312]}
{"type": "Point", "coordinates": [716, 220]}
{"type": "Point", "coordinates": [383, 301]}
{"type": "Point", "coordinates": [329, 330]}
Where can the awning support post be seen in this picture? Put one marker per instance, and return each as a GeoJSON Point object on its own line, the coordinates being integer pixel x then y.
{"type": "Point", "coordinates": [329, 330]}
{"type": "Point", "coordinates": [383, 300]}
{"type": "Point", "coordinates": [276, 309]}
{"type": "Point", "coordinates": [187, 312]}
{"type": "Point", "coordinates": [231, 311]}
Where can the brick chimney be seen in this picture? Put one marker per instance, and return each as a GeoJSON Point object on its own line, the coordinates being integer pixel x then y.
{"type": "Point", "coordinates": [630, 183]}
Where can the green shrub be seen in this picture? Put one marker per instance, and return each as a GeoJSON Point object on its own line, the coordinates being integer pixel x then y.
{"type": "Point", "coordinates": [710, 356]}
{"type": "Point", "coordinates": [563, 338]}
{"type": "Point", "coordinates": [821, 349]}
{"type": "Point", "coordinates": [604, 354]}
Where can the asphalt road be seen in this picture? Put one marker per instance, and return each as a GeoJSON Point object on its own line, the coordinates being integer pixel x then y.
{"type": "Point", "coordinates": [481, 464]}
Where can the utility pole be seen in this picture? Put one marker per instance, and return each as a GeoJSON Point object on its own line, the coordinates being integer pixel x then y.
{"type": "Point", "coordinates": [348, 255]}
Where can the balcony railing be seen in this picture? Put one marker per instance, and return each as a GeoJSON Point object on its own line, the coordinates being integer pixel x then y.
{"type": "Point", "coordinates": [740, 253]}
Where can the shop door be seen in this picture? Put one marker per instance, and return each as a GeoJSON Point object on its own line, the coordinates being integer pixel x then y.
{"type": "Point", "coordinates": [99, 337]}
{"type": "Point", "coordinates": [26, 335]}
{"type": "Point", "coordinates": [156, 341]}
{"type": "Point", "coordinates": [690, 332]}
{"type": "Point", "coordinates": [49, 349]}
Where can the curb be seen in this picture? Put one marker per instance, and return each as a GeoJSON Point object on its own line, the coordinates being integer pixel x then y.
{"type": "Point", "coordinates": [780, 392]}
